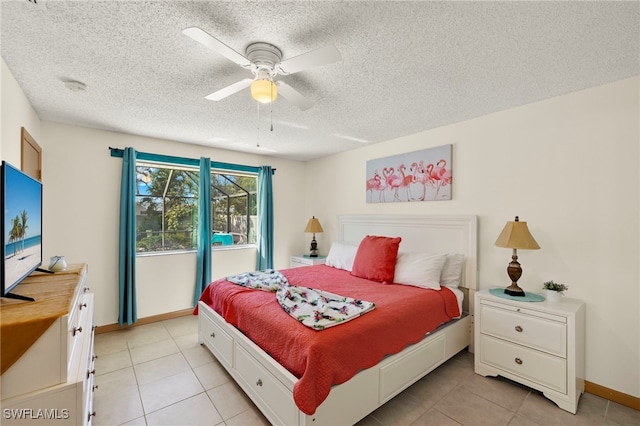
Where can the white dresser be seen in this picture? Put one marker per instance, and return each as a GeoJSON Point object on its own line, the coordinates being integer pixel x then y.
{"type": "Point", "coordinates": [52, 381]}
{"type": "Point", "coordinates": [538, 344]}
{"type": "Point", "coordinates": [298, 261]}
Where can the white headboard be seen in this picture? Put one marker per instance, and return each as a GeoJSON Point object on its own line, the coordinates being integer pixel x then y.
{"type": "Point", "coordinates": [432, 234]}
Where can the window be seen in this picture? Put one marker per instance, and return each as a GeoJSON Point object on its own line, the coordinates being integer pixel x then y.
{"type": "Point", "coordinates": [167, 207]}
{"type": "Point", "coordinates": [234, 208]}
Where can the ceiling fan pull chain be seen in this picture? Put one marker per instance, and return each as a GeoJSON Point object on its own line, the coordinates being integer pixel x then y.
{"type": "Point", "coordinates": [258, 127]}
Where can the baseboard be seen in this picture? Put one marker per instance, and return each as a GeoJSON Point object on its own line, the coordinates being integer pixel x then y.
{"type": "Point", "coordinates": [612, 395]}
{"type": "Point", "coordinates": [147, 320]}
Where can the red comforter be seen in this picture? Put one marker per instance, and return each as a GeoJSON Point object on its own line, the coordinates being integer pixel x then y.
{"type": "Point", "coordinates": [320, 359]}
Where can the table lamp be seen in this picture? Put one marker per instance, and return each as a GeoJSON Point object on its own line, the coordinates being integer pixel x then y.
{"type": "Point", "coordinates": [516, 235]}
{"type": "Point", "coordinates": [313, 226]}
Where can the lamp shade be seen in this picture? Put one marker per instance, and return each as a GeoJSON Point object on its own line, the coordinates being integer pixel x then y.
{"type": "Point", "coordinates": [313, 226]}
{"type": "Point", "coordinates": [264, 91]}
{"type": "Point", "coordinates": [516, 235]}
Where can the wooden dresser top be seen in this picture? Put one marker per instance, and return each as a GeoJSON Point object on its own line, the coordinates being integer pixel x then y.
{"type": "Point", "coordinates": [23, 322]}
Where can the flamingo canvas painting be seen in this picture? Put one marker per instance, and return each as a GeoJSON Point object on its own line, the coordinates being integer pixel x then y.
{"type": "Point", "coordinates": [424, 175]}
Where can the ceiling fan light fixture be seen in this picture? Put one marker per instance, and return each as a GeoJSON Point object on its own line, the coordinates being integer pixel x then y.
{"type": "Point", "coordinates": [264, 91]}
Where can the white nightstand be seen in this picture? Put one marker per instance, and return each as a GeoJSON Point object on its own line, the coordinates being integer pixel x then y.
{"type": "Point", "coordinates": [298, 261]}
{"type": "Point", "coordinates": [538, 344]}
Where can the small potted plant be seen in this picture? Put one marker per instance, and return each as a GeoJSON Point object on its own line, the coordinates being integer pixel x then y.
{"type": "Point", "coordinates": [554, 290]}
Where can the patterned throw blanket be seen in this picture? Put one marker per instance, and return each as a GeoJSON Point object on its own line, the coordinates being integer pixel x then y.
{"type": "Point", "coordinates": [316, 309]}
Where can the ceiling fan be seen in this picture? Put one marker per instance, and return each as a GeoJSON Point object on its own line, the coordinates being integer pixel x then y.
{"type": "Point", "coordinates": [264, 60]}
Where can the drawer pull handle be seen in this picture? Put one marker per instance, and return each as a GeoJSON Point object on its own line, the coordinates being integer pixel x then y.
{"type": "Point", "coordinates": [518, 361]}
{"type": "Point", "coordinates": [83, 305]}
{"type": "Point", "coordinates": [91, 415]}
{"type": "Point", "coordinates": [94, 327]}
{"type": "Point", "coordinates": [213, 335]}
{"type": "Point", "coordinates": [90, 372]}
{"type": "Point", "coordinates": [94, 357]}
{"type": "Point", "coordinates": [259, 382]}
{"type": "Point", "coordinates": [518, 329]}
{"type": "Point", "coordinates": [77, 330]}
{"type": "Point", "coordinates": [86, 289]}
{"type": "Point", "coordinates": [94, 388]}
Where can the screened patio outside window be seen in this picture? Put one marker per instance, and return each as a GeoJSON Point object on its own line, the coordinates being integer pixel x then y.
{"type": "Point", "coordinates": [167, 208]}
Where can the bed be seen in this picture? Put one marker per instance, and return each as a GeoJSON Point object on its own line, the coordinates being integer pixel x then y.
{"type": "Point", "coordinates": [274, 384]}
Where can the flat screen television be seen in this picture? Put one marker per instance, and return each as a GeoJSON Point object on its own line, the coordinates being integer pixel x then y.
{"type": "Point", "coordinates": [21, 208]}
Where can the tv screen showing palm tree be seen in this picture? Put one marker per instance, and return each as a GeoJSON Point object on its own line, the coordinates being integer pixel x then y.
{"type": "Point", "coordinates": [21, 226]}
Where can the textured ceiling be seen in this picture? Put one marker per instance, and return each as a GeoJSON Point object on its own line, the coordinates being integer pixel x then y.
{"type": "Point", "coordinates": [406, 66]}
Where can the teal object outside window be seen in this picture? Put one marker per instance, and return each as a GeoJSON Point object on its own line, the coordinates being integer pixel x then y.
{"type": "Point", "coordinates": [222, 239]}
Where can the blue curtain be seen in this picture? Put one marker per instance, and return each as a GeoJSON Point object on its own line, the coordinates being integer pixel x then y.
{"type": "Point", "coordinates": [203, 266]}
{"type": "Point", "coordinates": [127, 246]}
{"type": "Point", "coordinates": [265, 218]}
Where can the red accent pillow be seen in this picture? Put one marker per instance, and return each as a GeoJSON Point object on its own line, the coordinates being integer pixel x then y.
{"type": "Point", "coordinates": [376, 258]}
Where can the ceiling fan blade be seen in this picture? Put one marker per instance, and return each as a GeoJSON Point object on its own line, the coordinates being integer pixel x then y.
{"type": "Point", "coordinates": [323, 56]}
{"type": "Point", "coordinates": [293, 96]}
{"type": "Point", "coordinates": [229, 90]}
{"type": "Point", "coordinates": [216, 45]}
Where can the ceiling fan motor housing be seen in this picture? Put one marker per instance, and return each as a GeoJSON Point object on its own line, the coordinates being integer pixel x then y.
{"type": "Point", "coordinates": [263, 57]}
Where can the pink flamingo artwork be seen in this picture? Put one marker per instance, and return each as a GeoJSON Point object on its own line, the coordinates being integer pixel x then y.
{"type": "Point", "coordinates": [393, 182]}
{"type": "Point", "coordinates": [373, 184]}
{"type": "Point", "coordinates": [406, 180]}
{"type": "Point", "coordinates": [438, 174]}
{"type": "Point", "coordinates": [420, 177]}
{"type": "Point", "coordinates": [423, 175]}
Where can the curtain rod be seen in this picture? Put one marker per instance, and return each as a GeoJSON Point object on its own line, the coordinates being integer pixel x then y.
{"type": "Point", "coordinates": [119, 152]}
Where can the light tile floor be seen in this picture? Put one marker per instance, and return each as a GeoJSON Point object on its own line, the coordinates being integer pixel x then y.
{"type": "Point", "coordinates": [158, 374]}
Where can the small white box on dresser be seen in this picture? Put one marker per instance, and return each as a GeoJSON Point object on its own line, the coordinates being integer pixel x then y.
{"type": "Point", "coordinates": [538, 344]}
{"type": "Point", "coordinates": [299, 261]}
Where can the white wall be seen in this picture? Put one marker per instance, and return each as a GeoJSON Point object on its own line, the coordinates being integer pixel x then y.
{"type": "Point", "coordinates": [15, 112]}
{"type": "Point", "coordinates": [569, 167]}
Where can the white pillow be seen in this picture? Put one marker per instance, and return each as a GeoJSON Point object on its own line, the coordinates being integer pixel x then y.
{"type": "Point", "coordinates": [419, 269]}
{"type": "Point", "coordinates": [341, 255]}
{"type": "Point", "coordinates": [452, 270]}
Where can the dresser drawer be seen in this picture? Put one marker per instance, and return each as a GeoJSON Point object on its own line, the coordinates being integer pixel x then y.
{"type": "Point", "coordinates": [80, 323]}
{"type": "Point", "coordinates": [548, 334]}
{"type": "Point", "coordinates": [88, 385]}
{"type": "Point", "coordinates": [539, 367]}
{"type": "Point", "coordinates": [271, 395]}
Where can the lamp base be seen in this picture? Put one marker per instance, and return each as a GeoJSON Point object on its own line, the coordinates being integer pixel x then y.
{"type": "Point", "coordinates": [514, 290]}
{"type": "Point", "coordinates": [313, 250]}
{"type": "Point", "coordinates": [514, 270]}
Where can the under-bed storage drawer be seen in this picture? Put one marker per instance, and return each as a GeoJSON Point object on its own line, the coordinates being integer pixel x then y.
{"type": "Point", "coordinates": [261, 385]}
{"type": "Point", "coordinates": [217, 340]}
{"type": "Point", "coordinates": [395, 376]}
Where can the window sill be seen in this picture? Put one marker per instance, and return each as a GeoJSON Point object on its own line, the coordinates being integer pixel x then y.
{"type": "Point", "coordinates": [213, 249]}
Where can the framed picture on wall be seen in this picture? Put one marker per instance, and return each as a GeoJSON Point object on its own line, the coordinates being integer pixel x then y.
{"type": "Point", "coordinates": [424, 175]}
